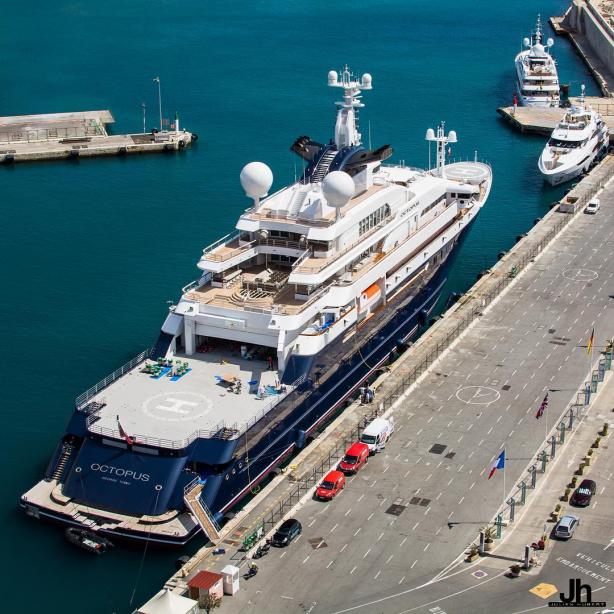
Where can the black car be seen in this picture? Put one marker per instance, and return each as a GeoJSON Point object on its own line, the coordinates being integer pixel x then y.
{"type": "Point", "coordinates": [287, 533]}
{"type": "Point", "coordinates": [583, 494]}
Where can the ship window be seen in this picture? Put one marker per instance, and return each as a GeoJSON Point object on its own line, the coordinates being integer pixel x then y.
{"type": "Point", "coordinates": [373, 219]}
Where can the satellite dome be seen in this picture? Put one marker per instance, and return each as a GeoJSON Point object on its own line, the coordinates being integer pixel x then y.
{"type": "Point", "coordinates": [430, 135]}
{"type": "Point", "coordinates": [452, 138]}
{"type": "Point", "coordinates": [332, 77]}
{"type": "Point", "coordinates": [550, 42]}
{"type": "Point", "coordinates": [366, 80]}
{"type": "Point", "coordinates": [256, 179]}
{"type": "Point", "coordinates": [526, 42]}
{"type": "Point", "coordinates": [338, 187]}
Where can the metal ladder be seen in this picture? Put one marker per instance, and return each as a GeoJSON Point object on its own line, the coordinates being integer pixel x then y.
{"type": "Point", "coordinates": [322, 168]}
{"type": "Point", "coordinates": [67, 450]}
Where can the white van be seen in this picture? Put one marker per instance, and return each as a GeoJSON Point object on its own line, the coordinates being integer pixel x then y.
{"type": "Point", "coordinates": [377, 433]}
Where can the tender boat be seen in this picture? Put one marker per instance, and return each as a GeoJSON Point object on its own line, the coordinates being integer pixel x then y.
{"type": "Point", "coordinates": [537, 81]}
{"type": "Point", "coordinates": [86, 540]}
{"type": "Point", "coordinates": [578, 140]}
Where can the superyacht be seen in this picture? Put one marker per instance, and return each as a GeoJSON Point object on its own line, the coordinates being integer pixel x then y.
{"type": "Point", "coordinates": [537, 80]}
{"type": "Point", "coordinates": [579, 139]}
{"type": "Point", "coordinates": [291, 314]}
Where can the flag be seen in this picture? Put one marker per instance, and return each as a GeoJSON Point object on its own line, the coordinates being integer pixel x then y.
{"type": "Point", "coordinates": [123, 433]}
{"type": "Point", "coordinates": [589, 345]}
{"type": "Point", "coordinates": [542, 407]}
{"type": "Point", "coordinates": [165, 122]}
{"type": "Point", "coordinates": [498, 463]}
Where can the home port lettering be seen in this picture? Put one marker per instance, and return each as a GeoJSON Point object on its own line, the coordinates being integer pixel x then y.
{"type": "Point", "coordinates": [120, 473]}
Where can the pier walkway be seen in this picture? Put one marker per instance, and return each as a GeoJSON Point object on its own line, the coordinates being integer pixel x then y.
{"type": "Point", "coordinates": [75, 135]}
{"type": "Point", "coordinates": [478, 398]}
{"type": "Point", "coordinates": [543, 120]}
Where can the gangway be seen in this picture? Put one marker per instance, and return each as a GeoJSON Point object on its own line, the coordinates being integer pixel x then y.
{"type": "Point", "coordinates": [191, 496]}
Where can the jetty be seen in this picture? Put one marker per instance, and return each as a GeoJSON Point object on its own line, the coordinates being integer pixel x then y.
{"type": "Point", "coordinates": [436, 374]}
{"type": "Point", "coordinates": [543, 120]}
{"type": "Point", "coordinates": [79, 135]}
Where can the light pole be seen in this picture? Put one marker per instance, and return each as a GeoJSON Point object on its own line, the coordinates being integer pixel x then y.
{"type": "Point", "coordinates": [144, 109]}
{"type": "Point", "coordinates": [157, 80]}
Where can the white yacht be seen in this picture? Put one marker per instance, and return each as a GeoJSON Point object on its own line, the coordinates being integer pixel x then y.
{"type": "Point", "coordinates": [292, 313]}
{"type": "Point", "coordinates": [537, 81]}
{"type": "Point", "coordinates": [578, 140]}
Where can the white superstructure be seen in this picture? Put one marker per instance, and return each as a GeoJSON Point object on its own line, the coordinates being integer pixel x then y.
{"type": "Point", "coordinates": [314, 260]}
{"type": "Point", "coordinates": [579, 138]}
{"type": "Point", "coordinates": [537, 80]}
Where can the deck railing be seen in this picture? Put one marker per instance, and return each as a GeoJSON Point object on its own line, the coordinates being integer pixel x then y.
{"type": "Point", "coordinates": [82, 400]}
{"type": "Point", "coordinates": [221, 431]}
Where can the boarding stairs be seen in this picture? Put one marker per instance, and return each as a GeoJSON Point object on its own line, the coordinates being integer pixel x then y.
{"type": "Point", "coordinates": [299, 198]}
{"type": "Point", "coordinates": [67, 450]}
{"type": "Point", "coordinates": [323, 165]}
{"type": "Point", "coordinates": [191, 496]}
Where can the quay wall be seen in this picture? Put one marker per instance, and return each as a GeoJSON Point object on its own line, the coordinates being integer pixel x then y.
{"type": "Point", "coordinates": [585, 19]}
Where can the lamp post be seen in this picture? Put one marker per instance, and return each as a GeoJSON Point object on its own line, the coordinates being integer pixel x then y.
{"type": "Point", "coordinates": [144, 109]}
{"type": "Point", "coordinates": [157, 80]}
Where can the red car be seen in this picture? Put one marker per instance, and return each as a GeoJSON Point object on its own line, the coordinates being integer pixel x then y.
{"type": "Point", "coordinates": [331, 485]}
{"type": "Point", "coordinates": [355, 457]}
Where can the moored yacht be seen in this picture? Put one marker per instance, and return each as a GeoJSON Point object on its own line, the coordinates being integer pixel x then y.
{"type": "Point", "coordinates": [291, 314]}
{"type": "Point", "coordinates": [578, 140]}
{"type": "Point", "coordinates": [537, 80]}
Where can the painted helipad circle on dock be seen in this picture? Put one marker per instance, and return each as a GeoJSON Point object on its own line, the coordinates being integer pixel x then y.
{"type": "Point", "coordinates": [583, 275]}
{"type": "Point", "coordinates": [177, 406]}
{"type": "Point", "coordinates": [477, 395]}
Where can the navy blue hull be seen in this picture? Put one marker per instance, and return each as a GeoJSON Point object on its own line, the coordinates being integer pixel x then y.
{"type": "Point", "coordinates": [231, 468]}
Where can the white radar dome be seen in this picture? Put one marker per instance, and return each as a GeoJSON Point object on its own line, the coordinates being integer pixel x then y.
{"type": "Point", "coordinates": [367, 80]}
{"type": "Point", "coordinates": [452, 137]}
{"type": "Point", "coordinates": [256, 179]}
{"type": "Point", "coordinates": [338, 187]}
{"type": "Point", "coordinates": [550, 42]}
{"type": "Point", "coordinates": [526, 42]}
{"type": "Point", "coordinates": [430, 135]}
{"type": "Point", "coordinates": [332, 77]}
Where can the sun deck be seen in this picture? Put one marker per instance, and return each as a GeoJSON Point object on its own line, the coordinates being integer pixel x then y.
{"type": "Point", "coordinates": [171, 411]}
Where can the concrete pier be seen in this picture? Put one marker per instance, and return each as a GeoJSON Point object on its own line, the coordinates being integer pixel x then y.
{"type": "Point", "coordinates": [539, 300]}
{"type": "Point", "coordinates": [539, 120]}
{"type": "Point", "coordinates": [77, 135]}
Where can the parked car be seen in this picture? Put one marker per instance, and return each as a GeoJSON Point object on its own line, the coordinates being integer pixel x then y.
{"type": "Point", "coordinates": [584, 493]}
{"type": "Point", "coordinates": [355, 457]}
{"type": "Point", "coordinates": [566, 526]}
{"type": "Point", "coordinates": [377, 434]}
{"type": "Point", "coordinates": [331, 485]}
{"type": "Point", "coordinates": [593, 206]}
{"type": "Point", "coordinates": [287, 533]}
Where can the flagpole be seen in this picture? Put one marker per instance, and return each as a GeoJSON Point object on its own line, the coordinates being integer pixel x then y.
{"type": "Point", "coordinates": [504, 483]}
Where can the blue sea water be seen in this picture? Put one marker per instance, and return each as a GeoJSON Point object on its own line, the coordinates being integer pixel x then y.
{"type": "Point", "coordinates": [91, 251]}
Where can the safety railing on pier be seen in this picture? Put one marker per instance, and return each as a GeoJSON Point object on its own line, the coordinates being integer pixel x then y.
{"type": "Point", "coordinates": [50, 134]}
{"type": "Point", "coordinates": [83, 399]}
